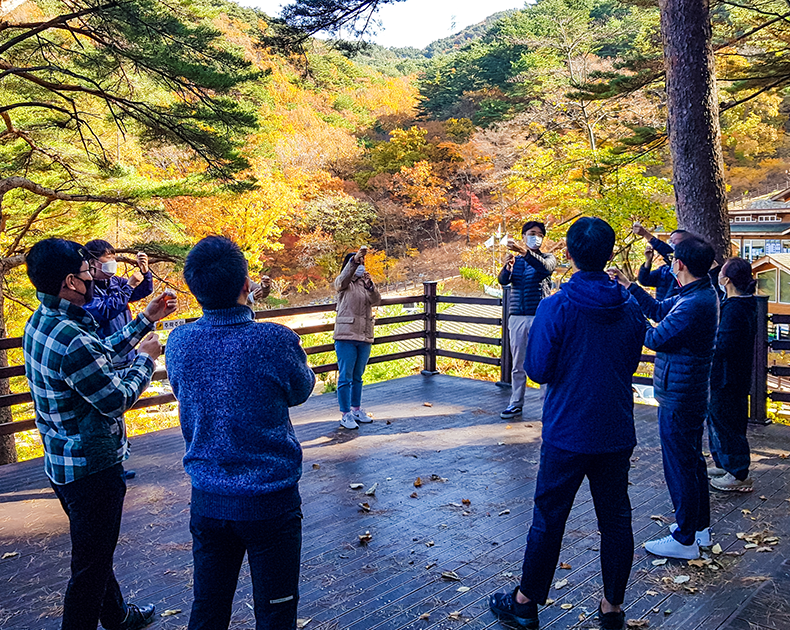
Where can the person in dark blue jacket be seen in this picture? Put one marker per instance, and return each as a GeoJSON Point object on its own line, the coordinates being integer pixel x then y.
{"type": "Point", "coordinates": [731, 379]}
{"type": "Point", "coordinates": [529, 275]}
{"type": "Point", "coordinates": [660, 278]}
{"type": "Point", "coordinates": [683, 340]}
{"type": "Point", "coordinates": [112, 294]}
{"type": "Point", "coordinates": [585, 345]}
{"type": "Point", "coordinates": [235, 379]}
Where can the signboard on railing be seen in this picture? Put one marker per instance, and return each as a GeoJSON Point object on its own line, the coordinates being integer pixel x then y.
{"type": "Point", "coordinates": [170, 324]}
{"type": "Point", "coordinates": [493, 291]}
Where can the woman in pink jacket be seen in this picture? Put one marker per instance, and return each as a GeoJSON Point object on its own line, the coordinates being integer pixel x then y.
{"type": "Point", "coordinates": [356, 296]}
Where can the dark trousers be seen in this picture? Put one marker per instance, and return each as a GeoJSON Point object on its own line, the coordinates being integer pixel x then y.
{"type": "Point", "coordinates": [559, 477]}
{"type": "Point", "coordinates": [728, 417]}
{"type": "Point", "coordinates": [94, 505]}
{"type": "Point", "coordinates": [273, 547]}
{"type": "Point", "coordinates": [685, 471]}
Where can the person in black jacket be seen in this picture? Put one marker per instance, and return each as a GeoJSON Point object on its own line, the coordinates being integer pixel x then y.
{"type": "Point", "coordinates": [683, 340]}
{"type": "Point", "coordinates": [660, 278]}
{"type": "Point", "coordinates": [731, 379]}
{"type": "Point", "coordinates": [530, 276]}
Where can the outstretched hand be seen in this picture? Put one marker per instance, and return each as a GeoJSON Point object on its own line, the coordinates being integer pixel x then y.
{"type": "Point", "coordinates": [160, 307]}
{"type": "Point", "coordinates": [150, 345]}
{"type": "Point", "coordinates": [619, 276]}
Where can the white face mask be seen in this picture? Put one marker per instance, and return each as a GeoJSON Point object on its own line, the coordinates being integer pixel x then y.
{"type": "Point", "coordinates": [534, 241]}
{"type": "Point", "coordinates": [360, 271]}
{"type": "Point", "coordinates": [110, 267]}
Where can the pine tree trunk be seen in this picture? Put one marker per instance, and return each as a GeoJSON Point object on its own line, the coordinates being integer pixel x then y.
{"type": "Point", "coordinates": [693, 122]}
{"type": "Point", "coordinates": [7, 442]}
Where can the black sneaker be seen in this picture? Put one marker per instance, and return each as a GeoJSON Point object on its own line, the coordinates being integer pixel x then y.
{"type": "Point", "coordinates": [511, 412]}
{"type": "Point", "coordinates": [612, 620]}
{"type": "Point", "coordinates": [505, 607]}
{"type": "Point", "coordinates": [137, 616]}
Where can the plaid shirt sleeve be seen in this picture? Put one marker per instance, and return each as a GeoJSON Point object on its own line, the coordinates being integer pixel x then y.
{"type": "Point", "coordinates": [124, 341]}
{"type": "Point", "coordinates": [87, 371]}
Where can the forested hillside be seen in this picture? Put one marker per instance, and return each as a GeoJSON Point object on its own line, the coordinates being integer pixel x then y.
{"type": "Point", "coordinates": [153, 125]}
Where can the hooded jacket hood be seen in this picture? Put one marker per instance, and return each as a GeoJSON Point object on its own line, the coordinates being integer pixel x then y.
{"type": "Point", "coordinates": [597, 295]}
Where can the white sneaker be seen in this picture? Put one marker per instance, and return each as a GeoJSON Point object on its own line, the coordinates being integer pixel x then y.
{"type": "Point", "coordinates": [715, 471]}
{"type": "Point", "coordinates": [361, 416]}
{"type": "Point", "coordinates": [704, 538]}
{"type": "Point", "coordinates": [668, 547]}
{"type": "Point", "coordinates": [348, 422]}
{"type": "Point", "coordinates": [730, 483]}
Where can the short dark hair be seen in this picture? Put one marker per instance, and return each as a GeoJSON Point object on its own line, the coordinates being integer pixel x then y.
{"type": "Point", "coordinates": [51, 260]}
{"type": "Point", "coordinates": [98, 247]}
{"type": "Point", "coordinates": [347, 259]}
{"type": "Point", "coordinates": [531, 224]}
{"type": "Point", "coordinates": [739, 271]}
{"type": "Point", "coordinates": [696, 253]}
{"type": "Point", "coordinates": [215, 271]}
{"type": "Point", "coordinates": [679, 231]}
{"type": "Point", "coordinates": [590, 243]}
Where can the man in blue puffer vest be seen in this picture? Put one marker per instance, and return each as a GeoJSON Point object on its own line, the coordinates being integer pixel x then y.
{"type": "Point", "coordinates": [683, 339]}
{"type": "Point", "coordinates": [530, 278]}
{"type": "Point", "coordinates": [585, 344]}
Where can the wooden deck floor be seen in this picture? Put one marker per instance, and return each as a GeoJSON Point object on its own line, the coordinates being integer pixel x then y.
{"type": "Point", "coordinates": [461, 450]}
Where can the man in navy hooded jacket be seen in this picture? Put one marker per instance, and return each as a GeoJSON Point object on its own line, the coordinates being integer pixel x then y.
{"type": "Point", "coordinates": [585, 344]}
{"type": "Point", "coordinates": [683, 340]}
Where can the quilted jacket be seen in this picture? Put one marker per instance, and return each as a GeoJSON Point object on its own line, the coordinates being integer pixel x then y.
{"type": "Point", "coordinates": [530, 279]}
{"type": "Point", "coordinates": [684, 339]}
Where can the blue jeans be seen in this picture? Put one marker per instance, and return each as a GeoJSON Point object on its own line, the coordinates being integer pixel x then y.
{"type": "Point", "coordinates": [728, 417]}
{"type": "Point", "coordinates": [560, 475]}
{"type": "Point", "coordinates": [352, 357]}
{"type": "Point", "coordinates": [273, 548]}
{"type": "Point", "coordinates": [94, 505]}
{"type": "Point", "coordinates": [686, 474]}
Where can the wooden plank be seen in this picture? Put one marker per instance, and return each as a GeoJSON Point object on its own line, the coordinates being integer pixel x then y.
{"type": "Point", "coordinates": [642, 380]}
{"type": "Point", "coordinates": [153, 401]}
{"type": "Point", "coordinates": [470, 338]}
{"type": "Point", "coordinates": [779, 396]}
{"type": "Point", "coordinates": [406, 299]}
{"type": "Point", "coordinates": [8, 343]}
{"type": "Point", "coordinates": [491, 321]}
{"type": "Point", "coordinates": [777, 346]}
{"type": "Point", "coordinates": [460, 299]}
{"type": "Point", "coordinates": [467, 357]}
{"type": "Point", "coordinates": [9, 428]}
{"type": "Point", "coordinates": [13, 370]}
{"type": "Point", "coordinates": [274, 313]}
{"type": "Point", "coordinates": [779, 370]}
{"type": "Point", "coordinates": [417, 317]}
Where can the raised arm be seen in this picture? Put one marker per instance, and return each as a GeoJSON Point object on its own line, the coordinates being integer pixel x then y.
{"type": "Point", "coordinates": [651, 307]}
{"type": "Point", "coordinates": [544, 264]}
{"type": "Point", "coordinates": [144, 289]}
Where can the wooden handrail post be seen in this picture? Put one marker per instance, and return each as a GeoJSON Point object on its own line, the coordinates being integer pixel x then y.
{"type": "Point", "coordinates": [506, 359]}
{"type": "Point", "coordinates": [429, 290]}
{"type": "Point", "coordinates": [758, 397]}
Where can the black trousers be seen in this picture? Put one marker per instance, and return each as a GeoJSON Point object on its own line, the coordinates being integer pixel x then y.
{"type": "Point", "coordinates": [559, 477]}
{"type": "Point", "coordinates": [728, 419]}
{"type": "Point", "coordinates": [94, 505]}
{"type": "Point", "coordinates": [273, 548]}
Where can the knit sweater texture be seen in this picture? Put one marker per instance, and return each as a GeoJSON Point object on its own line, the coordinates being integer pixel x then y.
{"type": "Point", "coordinates": [235, 379]}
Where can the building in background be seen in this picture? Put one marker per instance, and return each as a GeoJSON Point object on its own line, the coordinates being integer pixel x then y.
{"type": "Point", "coordinates": [760, 226]}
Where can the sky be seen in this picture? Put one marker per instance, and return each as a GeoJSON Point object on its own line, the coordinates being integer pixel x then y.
{"type": "Point", "coordinates": [417, 22]}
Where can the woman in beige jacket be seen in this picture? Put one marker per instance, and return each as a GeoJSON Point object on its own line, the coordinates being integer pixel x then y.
{"type": "Point", "coordinates": [356, 295]}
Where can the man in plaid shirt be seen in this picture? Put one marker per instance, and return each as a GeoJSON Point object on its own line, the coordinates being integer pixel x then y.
{"type": "Point", "coordinates": [80, 399]}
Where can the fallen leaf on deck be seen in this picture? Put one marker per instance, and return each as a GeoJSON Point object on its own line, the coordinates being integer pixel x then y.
{"type": "Point", "coordinates": [508, 426]}
{"type": "Point", "coordinates": [582, 616]}
{"type": "Point", "coordinates": [654, 610]}
{"type": "Point", "coordinates": [365, 507]}
{"type": "Point", "coordinates": [503, 512]}
{"type": "Point", "coordinates": [316, 466]}
{"type": "Point", "coordinates": [560, 584]}
{"type": "Point", "coordinates": [658, 517]}
{"type": "Point", "coordinates": [750, 546]}
{"type": "Point", "coordinates": [771, 540]}
{"type": "Point", "coordinates": [454, 615]}
{"type": "Point", "coordinates": [455, 505]}
{"type": "Point", "coordinates": [451, 575]}
{"type": "Point", "coordinates": [10, 554]}
{"type": "Point", "coordinates": [427, 404]}
{"type": "Point", "coordinates": [637, 623]}
{"type": "Point", "coordinates": [418, 482]}
{"type": "Point", "coordinates": [681, 579]}
{"type": "Point", "coordinates": [716, 549]}
{"type": "Point", "coordinates": [356, 486]}
{"type": "Point", "coordinates": [745, 512]}
{"type": "Point", "coordinates": [438, 478]}
{"type": "Point", "coordinates": [365, 538]}
{"type": "Point", "coordinates": [170, 613]}
{"type": "Point", "coordinates": [549, 602]}
{"type": "Point", "coordinates": [507, 574]}
{"type": "Point", "coordinates": [565, 565]}
{"type": "Point", "coordinates": [740, 535]}
{"type": "Point", "coordinates": [659, 562]}
{"type": "Point", "coordinates": [431, 565]}
{"type": "Point", "coordinates": [430, 543]}
{"type": "Point", "coordinates": [301, 623]}
{"type": "Point", "coordinates": [372, 490]}
{"type": "Point", "coordinates": [766, 548]}
{"type": "Point", "coordinates": [651, 593]}
{"type": "Point", "coordinates": [668, 611]}
{"type": "Point", "coordinates": [466, 501]}
{"type": "Point", "coordinates": [413, 495]}
{"type": "Point", "coordinates": [566, 606]}
{"type": "Point", "coordinates": [763, 497]}
{"type": "Point", "coordinates": [463, 589]}
{"type": "Point", "coordinates": [783, 455]}
{"type": "Point", "coordinates": [425, 616]}
{"type": "Point", "coordinates": [755, 578]}
{"type": "Point", "coordinates": [732, 553]}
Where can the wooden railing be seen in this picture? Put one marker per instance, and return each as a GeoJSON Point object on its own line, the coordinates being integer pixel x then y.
{"type": "Point", "coordinates": [430, 350]}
